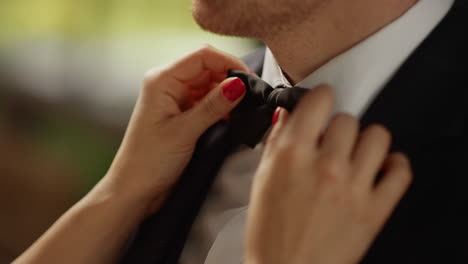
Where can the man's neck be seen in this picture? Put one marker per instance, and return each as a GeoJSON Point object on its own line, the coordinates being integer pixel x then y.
{"type": "Point", "coordinates": [332, 29]}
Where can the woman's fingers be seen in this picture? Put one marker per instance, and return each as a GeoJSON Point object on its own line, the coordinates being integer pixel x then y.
{"type": "Point", "coordinates": [278, 122]}
{"type": "Point", "coordinates": [176, 88]}
{"type": "Point", "coordinates": [393, 184]}
{"type": "Point", "coordinates": [213, 107]}
{"type": "Point", "coordinates": [310, 116]}
{"type": "Point", "coordinates": [370, 153]}
{"type": "Point", "coordinates": [206, 58]}
{"type": "Point", "coordinates": [340, 137]}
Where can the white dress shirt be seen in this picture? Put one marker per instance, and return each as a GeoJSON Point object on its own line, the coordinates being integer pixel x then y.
{"type": "Point", "coordinates": [356, 76]}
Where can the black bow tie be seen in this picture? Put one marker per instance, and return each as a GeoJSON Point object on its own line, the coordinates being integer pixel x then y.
{"type": "Point", "coordinates": [251, 118]}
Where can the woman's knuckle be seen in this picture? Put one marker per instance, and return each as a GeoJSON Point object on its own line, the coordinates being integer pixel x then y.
{"type": "Point", "coordinates": [152, 75]}
{"type": "Point", "coordinates": [205, 49]}
{"type": "Point", "coordinates": [330, 169]}
{"type": "Point", "coordinates": [148, 77]}
{"type": "Point", "coordinates": [284, 150]}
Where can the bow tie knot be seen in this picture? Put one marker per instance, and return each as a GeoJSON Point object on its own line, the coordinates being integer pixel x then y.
{"type": "Point", "coordinates": [274, 96]}
{"type": "Point", "coordinates": [251, 118]}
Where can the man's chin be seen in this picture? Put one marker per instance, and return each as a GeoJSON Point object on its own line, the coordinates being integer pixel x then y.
{"type": "Point", "coordinates": [231, 29]}
{"type": "Point", "coordinates": [209, 23]}
{"type": "Point", "coordinates": [221, 20]}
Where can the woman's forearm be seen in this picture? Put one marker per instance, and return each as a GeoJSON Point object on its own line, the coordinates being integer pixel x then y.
{"type": "Point", "coordinates": [93, 231]}
{"type": "Point", "coordinates": [177, 104]}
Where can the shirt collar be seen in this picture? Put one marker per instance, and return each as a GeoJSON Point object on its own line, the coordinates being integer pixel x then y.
{"type": "Point", "coordinates": [364, 69]}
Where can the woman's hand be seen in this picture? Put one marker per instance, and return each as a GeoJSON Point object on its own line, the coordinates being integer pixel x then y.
{"type": "Point", "coordinates": [173, 110]}
{"type": "Point", "coordinates": [315, 197]}
{"type": "Point", "coordinates": [176, 105]}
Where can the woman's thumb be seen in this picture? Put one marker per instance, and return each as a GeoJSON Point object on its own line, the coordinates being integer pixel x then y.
{"type": "Point", "coordinates": [214, 106]}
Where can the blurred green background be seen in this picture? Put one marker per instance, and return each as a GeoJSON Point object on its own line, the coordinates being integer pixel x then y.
{"type": "Point", "coordinates": [70, 72]}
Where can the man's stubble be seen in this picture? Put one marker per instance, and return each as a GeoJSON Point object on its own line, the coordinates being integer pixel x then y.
{"type": "Point", "coordinates": [259, 19]}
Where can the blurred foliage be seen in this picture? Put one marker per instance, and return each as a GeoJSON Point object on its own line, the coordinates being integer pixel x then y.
{"type": "Point", "coordinates": [91, 17]}
{"type": "Point", "coordinates": [89, 151]}
{"type": "Point", "coordinates": [82, 145]}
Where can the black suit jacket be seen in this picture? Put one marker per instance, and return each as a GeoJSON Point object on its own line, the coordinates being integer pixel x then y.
{"type": "Point", "coordinates": [425, 108]}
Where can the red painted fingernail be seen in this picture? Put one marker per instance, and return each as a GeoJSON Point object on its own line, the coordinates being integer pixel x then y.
{"type": "Point", "coordinates": [276, 115]}
{"type": "Point", "coordinates": [234, 89]}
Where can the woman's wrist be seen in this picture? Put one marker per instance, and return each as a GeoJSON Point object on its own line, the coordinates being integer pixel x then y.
{"type": "Point", "coordinates": [122, 197]}
{"type": "Point", "coordinates": [143, 198]}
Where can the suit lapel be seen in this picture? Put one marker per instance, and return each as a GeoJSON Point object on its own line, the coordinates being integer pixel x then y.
{"type": "Point", "coordinates": [428, 88]}
{"type": "Point", "coordinates": [424, 107]}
